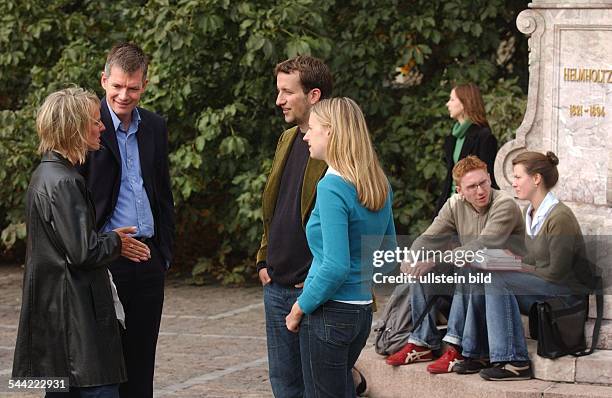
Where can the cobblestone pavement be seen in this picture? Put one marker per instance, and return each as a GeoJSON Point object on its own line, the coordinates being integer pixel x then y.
{"type": "Point", "coordinates": [212, 340]}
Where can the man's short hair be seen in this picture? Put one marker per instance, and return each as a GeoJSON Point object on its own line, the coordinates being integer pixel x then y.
{"type": "Point", "coordinates": [129, 57]}
{"type": "Point", "coordinates": [313, 72]}
{"type": "Point", "coordinates": [465, 165]}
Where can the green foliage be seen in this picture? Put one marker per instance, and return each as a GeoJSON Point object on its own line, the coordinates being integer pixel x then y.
{"type": "Point", "coordinates": [211, 76]}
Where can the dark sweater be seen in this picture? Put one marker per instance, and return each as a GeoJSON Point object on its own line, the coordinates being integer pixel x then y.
{"type": "Point", "coordinates": [289, 257]}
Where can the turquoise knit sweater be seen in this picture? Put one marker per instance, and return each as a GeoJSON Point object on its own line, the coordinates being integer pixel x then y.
{"type": "Point", "coordinates": [340, 271]}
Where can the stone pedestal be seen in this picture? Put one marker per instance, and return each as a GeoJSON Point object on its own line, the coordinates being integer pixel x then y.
{"type": "Point", "coordinates": [569, 111]}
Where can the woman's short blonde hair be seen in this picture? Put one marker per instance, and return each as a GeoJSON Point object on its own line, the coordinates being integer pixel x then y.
{"type": "Point", "coordinates": [63, 122]}
{"type": "Point", "coordinates": [350, 150]}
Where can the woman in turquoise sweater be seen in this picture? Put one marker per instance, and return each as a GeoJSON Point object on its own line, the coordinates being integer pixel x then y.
{"type": "Point", "coordinates": [333, 314]}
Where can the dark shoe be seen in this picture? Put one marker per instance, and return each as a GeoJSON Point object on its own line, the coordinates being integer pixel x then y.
{"type": "Point", "coordinates": [360, 382]}
{"type": "Point", "coordinates": [471, 365]}
{"type": "Point", "coordinates": [508, 371]}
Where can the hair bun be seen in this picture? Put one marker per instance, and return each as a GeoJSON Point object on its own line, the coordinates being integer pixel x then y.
{"type": "Point", "coordinates": [552, 158]}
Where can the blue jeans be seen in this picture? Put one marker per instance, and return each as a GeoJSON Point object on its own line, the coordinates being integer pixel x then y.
{"type": "Point", "coordinates": [107, 391]}
{"type": "Point", "coordinates": [507, 296]}
{"type": "Point", "coordinates": [331, 339]}
{"type": "Point", "coordinates": [284, 363]}
{"type": "Point", "coordinates": [466, 322]}
{"type": "Point", "coordinates": [427, 334]}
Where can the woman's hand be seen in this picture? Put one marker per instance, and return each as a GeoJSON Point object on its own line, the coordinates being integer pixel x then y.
{"type": "Point", "coordinates": [294, 318]}
{"type": "Point", "coordinates": [131, 248]}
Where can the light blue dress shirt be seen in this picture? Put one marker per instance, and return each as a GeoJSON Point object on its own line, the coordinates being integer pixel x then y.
{"type": "Point", "coordinates": [133, 207]}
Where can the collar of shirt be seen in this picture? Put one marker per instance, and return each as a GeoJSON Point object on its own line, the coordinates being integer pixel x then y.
{"type": "Point", "coordinates": [533, 224]}
{"type": "Point", "coordinates": [331, 170]}
{"type": "Point", "coordinates": [117, 123]}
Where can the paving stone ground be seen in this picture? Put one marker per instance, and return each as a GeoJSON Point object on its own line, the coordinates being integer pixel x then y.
{"type": "Point", "coordinates": [212, 341]}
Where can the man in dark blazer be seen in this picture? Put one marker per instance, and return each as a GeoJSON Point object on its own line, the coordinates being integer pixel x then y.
{"type": "Point", "coordinates": [130, 185]}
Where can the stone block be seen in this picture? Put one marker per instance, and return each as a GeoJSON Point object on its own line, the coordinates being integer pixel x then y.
{"type": "Point", "coordinates": [560, 369]}
{"type": "Point", "coordinates": [607, 313]}
{"type": "Point", "coordinates": [595, 368]}
{"type": "Point", "coordinates": [563, 390]}
{"type": "Point", "coordinates": [605, 334]}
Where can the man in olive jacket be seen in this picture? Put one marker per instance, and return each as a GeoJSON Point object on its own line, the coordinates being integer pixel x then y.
{"type": "Point", "coordinates": [284, 258]}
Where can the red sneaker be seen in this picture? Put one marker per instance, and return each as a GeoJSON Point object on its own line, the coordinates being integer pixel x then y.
{"type": "Point", "coordinates": [410, 353]}
{"type": "Point", "coordinates": [445, 363]}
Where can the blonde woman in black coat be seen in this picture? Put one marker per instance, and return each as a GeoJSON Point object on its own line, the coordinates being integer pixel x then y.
{"type": "Point", "coordinates": [68, 325]}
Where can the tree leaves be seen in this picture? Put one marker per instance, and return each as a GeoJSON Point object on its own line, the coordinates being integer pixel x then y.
{"type": "Point", "coordinates": [211, 76]}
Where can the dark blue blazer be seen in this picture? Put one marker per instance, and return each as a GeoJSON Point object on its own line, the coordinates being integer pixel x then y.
{"type": "Point", "coordinates": [102, 171]}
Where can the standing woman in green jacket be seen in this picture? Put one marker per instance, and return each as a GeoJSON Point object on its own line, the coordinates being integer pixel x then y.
{"type": "Point", "coordinates": [333, 312]}
{"type": "Point", "coordinates": [471, 135]}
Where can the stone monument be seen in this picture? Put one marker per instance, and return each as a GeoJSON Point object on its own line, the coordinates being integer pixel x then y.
{"type": "Point", "coordinates": [569, 106]}
{"type": "Point", "coordinates": [569, 112]}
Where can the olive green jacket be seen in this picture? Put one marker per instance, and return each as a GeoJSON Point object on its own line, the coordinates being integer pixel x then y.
{"type": "Point", "coordinates": [314, 171]}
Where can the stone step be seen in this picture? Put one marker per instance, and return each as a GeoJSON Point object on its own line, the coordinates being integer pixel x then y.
{"type": "Point", "coordinates": [385, 381]}
{"type": "Point", "coordinates": [607, 308]}
{"type": "Point", "coordinates": [594, 368]}
{"type": "Point", "coordinates": [605, 332]}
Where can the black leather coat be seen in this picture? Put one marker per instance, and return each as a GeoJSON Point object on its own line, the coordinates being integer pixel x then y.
{"type": "Point", "coordinates": [68, 327]}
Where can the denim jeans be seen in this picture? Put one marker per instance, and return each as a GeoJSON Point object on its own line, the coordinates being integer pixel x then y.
{"type": "Point", "coordinates": [284, 363]}
{"type": "Point", "coordinates": [107, 391]}
{"type": "Point", "coordinates": [332, 338]}
{"type": "Point", "coordinates": [427, 334]}
{"type": "Point", "coordinates": [467, 322]}
{"type": "Point", "coordinates": [507, 296]}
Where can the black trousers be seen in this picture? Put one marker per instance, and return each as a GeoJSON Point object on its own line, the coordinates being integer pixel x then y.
{"type": "Point", "coordinates": [141, 290]}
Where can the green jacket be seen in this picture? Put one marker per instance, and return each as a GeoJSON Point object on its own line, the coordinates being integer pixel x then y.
{"type": "Point", "coordinates": [314, 171]}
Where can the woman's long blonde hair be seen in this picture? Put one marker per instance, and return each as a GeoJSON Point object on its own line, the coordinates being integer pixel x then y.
{"type": "Point", "coordinates": [350, 150]}
{"type": "Point", "coordinates": [63, 123]}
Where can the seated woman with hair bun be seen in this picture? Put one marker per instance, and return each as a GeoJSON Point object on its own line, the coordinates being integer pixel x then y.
{"type": "Point", "coordinates": [554, 245]}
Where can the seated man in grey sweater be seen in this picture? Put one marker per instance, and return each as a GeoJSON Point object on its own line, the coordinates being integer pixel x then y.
{"type": "Point", "coordinates": [475, 218]}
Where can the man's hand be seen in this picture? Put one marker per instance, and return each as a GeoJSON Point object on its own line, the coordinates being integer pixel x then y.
{"type": "Point", "coordinates": [131, 248]}
{"type": "Point", "coordinates": [294, 318]}
{"type": "Point", "coordinates": [264, 277]}
{"type": "Point", "coordinates": [419, 268]}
